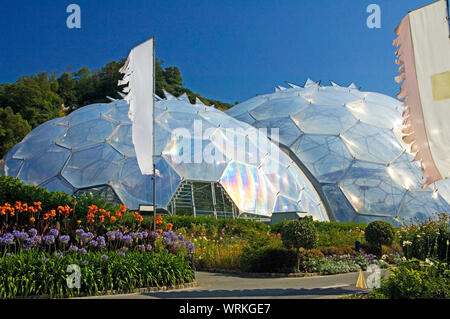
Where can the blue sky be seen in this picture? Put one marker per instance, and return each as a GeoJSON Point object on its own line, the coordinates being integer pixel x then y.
{"type": "Point", "coordinates": [226, 50]}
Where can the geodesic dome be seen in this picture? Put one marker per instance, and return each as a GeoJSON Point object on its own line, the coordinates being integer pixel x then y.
{"type": "Point", "coordinates": [91, 150]}
{"type": "Point", "coordinates": [349, 143]}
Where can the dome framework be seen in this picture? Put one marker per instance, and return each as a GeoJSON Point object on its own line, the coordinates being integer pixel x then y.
{"type": "Point", "coordinates": [348, 143]}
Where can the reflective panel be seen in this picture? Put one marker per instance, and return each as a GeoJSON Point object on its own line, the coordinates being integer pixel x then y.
{"type": "Point", "coordinates": [87, 133]}
{"type": "Point", "coordinates": [422, 205]}
{"type": "Point", "coordinates": [325, 156]}
{"type": "Point", "coordinates": [372, 144]}
{"type": "Point", "coordinates": [58, 184]}
{"type": "Point", "coordinates": [371, 191]}
{"type": "Point", "coordinates": [84, 170]}
{"type": "Point", "coordinates": [320, 119]}
{"type": "Point", "coordinates": [283, 107]}
{"type": "Point", "coordinates": [284, 204]}
{"type": "Point", "coordinates": [43, 165]}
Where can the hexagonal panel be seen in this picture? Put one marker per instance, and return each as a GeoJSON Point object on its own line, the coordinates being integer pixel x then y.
{"type": "Point", "coordinates": [372, 144]}
{"type": "Point", "coordinates": [283, 107]}
{"type": "Point", "coordinates": [326, 157]}
{"type": "Point", "coordinates": [375, 114]}
{"type": "Point", "coordinates": [43, 165]}
{"type": "Point", "coordinates": [371, 191]}
{"type": "Point", "coordinates": [320, 119]}
{"type": "Point", "coordinates": [85, 170]}
{"type": "Point", "coordinates": [87, 133]}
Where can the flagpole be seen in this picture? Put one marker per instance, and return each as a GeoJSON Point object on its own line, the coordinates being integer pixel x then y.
{"type": "Point", "coordinates": [153, 135]}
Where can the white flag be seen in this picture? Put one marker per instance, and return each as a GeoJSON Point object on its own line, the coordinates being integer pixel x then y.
{"type": "Point", "coordinates": [138, 74]}
{"type": "Point", "coordinates": [424, 59]}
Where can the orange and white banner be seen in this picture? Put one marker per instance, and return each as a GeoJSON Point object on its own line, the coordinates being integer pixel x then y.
{"type": "Point", "coordinates": [424, 59]}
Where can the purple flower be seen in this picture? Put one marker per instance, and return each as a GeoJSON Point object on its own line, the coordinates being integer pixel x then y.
{"type": "Point", "coordinates": [104, 257]}
{"type": "Point", "coordinates": [7, 239]}
{"type": "Point", "coordinates": [20, 235]}
{"type": "Point", "coordinates": [127, 239]}
{"type": "Point", "coordinates": [64, 239]}
{"type": "Point", "coordinates": [154, 235]}
{"type": "Point", "coordinates": [79, 232]}
{"type": "Point", "coordinates": [32, 232]}
{"type": "Point", "coordinates": [44, 259]}
{"type": "Point", "coordinates": [85, 262]}
{"type": "Point", "coordinates": [9, 255]}
{"type": "Point", "coordinates": [121, 253]}
{"type": "Point", "coordinates": [149, 247]}
{"type": "Point", "coordinates": [111, 235]}
{"type": "Point", "coordinates": [87, 237]}
{"type": "Point", "coordinates": [73, 249]}
{"type": "Point", "coordinates": [59, 255]}
{"type": "Point", "coordinates": [93, 243]}
{"type": "Point", "coordinates": [53, 232]}
{"type": "Point", "coordinates": [82, 251]}
{"type": "Point", "coordinates": [49, 239]}
{"type": "Point", "coordinates": [141, 248]}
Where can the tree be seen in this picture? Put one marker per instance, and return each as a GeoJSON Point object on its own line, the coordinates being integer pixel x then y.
{"type": "Point", "coordinates": [298, 234]}
{"type": "Point", "coordinates": [379, 233]}
{"type": "Point", "coordinates": [13, 128]}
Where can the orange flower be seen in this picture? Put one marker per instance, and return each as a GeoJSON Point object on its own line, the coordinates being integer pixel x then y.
{"type": "Point", "coordinates": [79, 221]}
{"type": "Point", "coordinates": [53, 213]}
{"type": "Point", "coordinates": [32, 219]}
{"type": "Point", "coordinates": [123, 209]}
{"type": "Point", "coordinates": [102, 219]}
{"type": "Point", "coordinates": [113, 219]}
{"type": "Point", "coordinates": [169, 226]}
{"type": "Point", "coordinates": [160, 230]}
{"type": "Point", "coordinates": [46, 216]}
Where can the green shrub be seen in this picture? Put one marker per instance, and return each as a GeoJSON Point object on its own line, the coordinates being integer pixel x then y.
{"type": "Point", "coordinates": [416, 280]}
{"type": "Point", "coordinates": [306, 254]}
{"type": "Point", "coordinates": [299, 234]}
{"type": "Point", "coordinates": [429, 239]}
{"type": "Point", "coordinates": [379, 233]}
{"type": "Point", "coordinates": [348, 250]}
{"type": "Point", "coordinates": [274, 260]}
{"type": "Point", "coordinates": [39, 273]}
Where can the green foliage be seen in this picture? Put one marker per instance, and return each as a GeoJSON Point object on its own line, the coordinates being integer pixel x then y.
{"type": "Point", "coordinates": [430, 239]}
{"type": "Point", "coordinates": [13, 190]}
{"type": "Point", "coordinates": [300, 234]}
{"type": "Point", "coordinates": [345, 250]}
{"type": "Point", "coordinates": [416, 280]}
{"type": "Point", "coordinates": [333, 233]}
{"type": "Point", "coordinates": [13, 128]}
{"type": "Point", "coordinates": [326, 266]}
{"type": "Point", "coordinates": [379, 233]}
{"type": "Point", "coordinates": [34, 273]}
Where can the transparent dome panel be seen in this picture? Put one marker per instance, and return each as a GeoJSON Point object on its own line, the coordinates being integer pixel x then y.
{"type": "Point", "coordinates": [58, 183]}
{"type": "Point", "coordinates": [281, 130]}
{"type": "Point", "coordinates": [87, 133]}
{"type": "Point", "coordinates": [422, 205]}
{"type": "Point", "coordinates": [320, 119]}
{"type": "Point", "coordinates": [43, 165]}
{"type": "Point", "coordinates": [87, 113]}
{"type": "Point", "coordinates": [13, 166]}
{"type": "Point", "coordinates": [39, 141]}
{"type": "Point", "coordinates": [371, 191]}
{"type": "Point", "coordinates": [372, 144]}
{"type": "Point", "coordinates": [376, 114]}
{"type": "Point", "coordinates": [406, 173]}
{"type": "Point", "coordinates": [325, 156]}
{"type": "Point", "coordinates": [282, 107]}
{"type": "Point", "coordinates": [284, 204]}
{"type": "Point", "coordinates": [84, 170]}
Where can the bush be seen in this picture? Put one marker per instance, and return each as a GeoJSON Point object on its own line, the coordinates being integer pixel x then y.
{"type": "Point", "coordinates": [379, 233]}
{"type": "Point", "coordinates": [348, 250]}
{"type": "Point", "coordinates": [274, 260]}
{"type": "Point", "coordinates": [429, 239]}
{"type": "Point", "coordinates": [307, 254]}
{"type": "Point", "coordinates": [39, 273]}
{"type": "Point", "coordinates": [416, 280]}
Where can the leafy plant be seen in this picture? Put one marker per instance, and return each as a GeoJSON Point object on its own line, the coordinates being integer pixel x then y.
{"type": "Point", "coordinates": [379, 233]}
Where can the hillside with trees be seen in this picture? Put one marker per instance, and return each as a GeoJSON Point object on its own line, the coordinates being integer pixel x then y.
{"type": "Point", "coordinates": [35, 99]}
